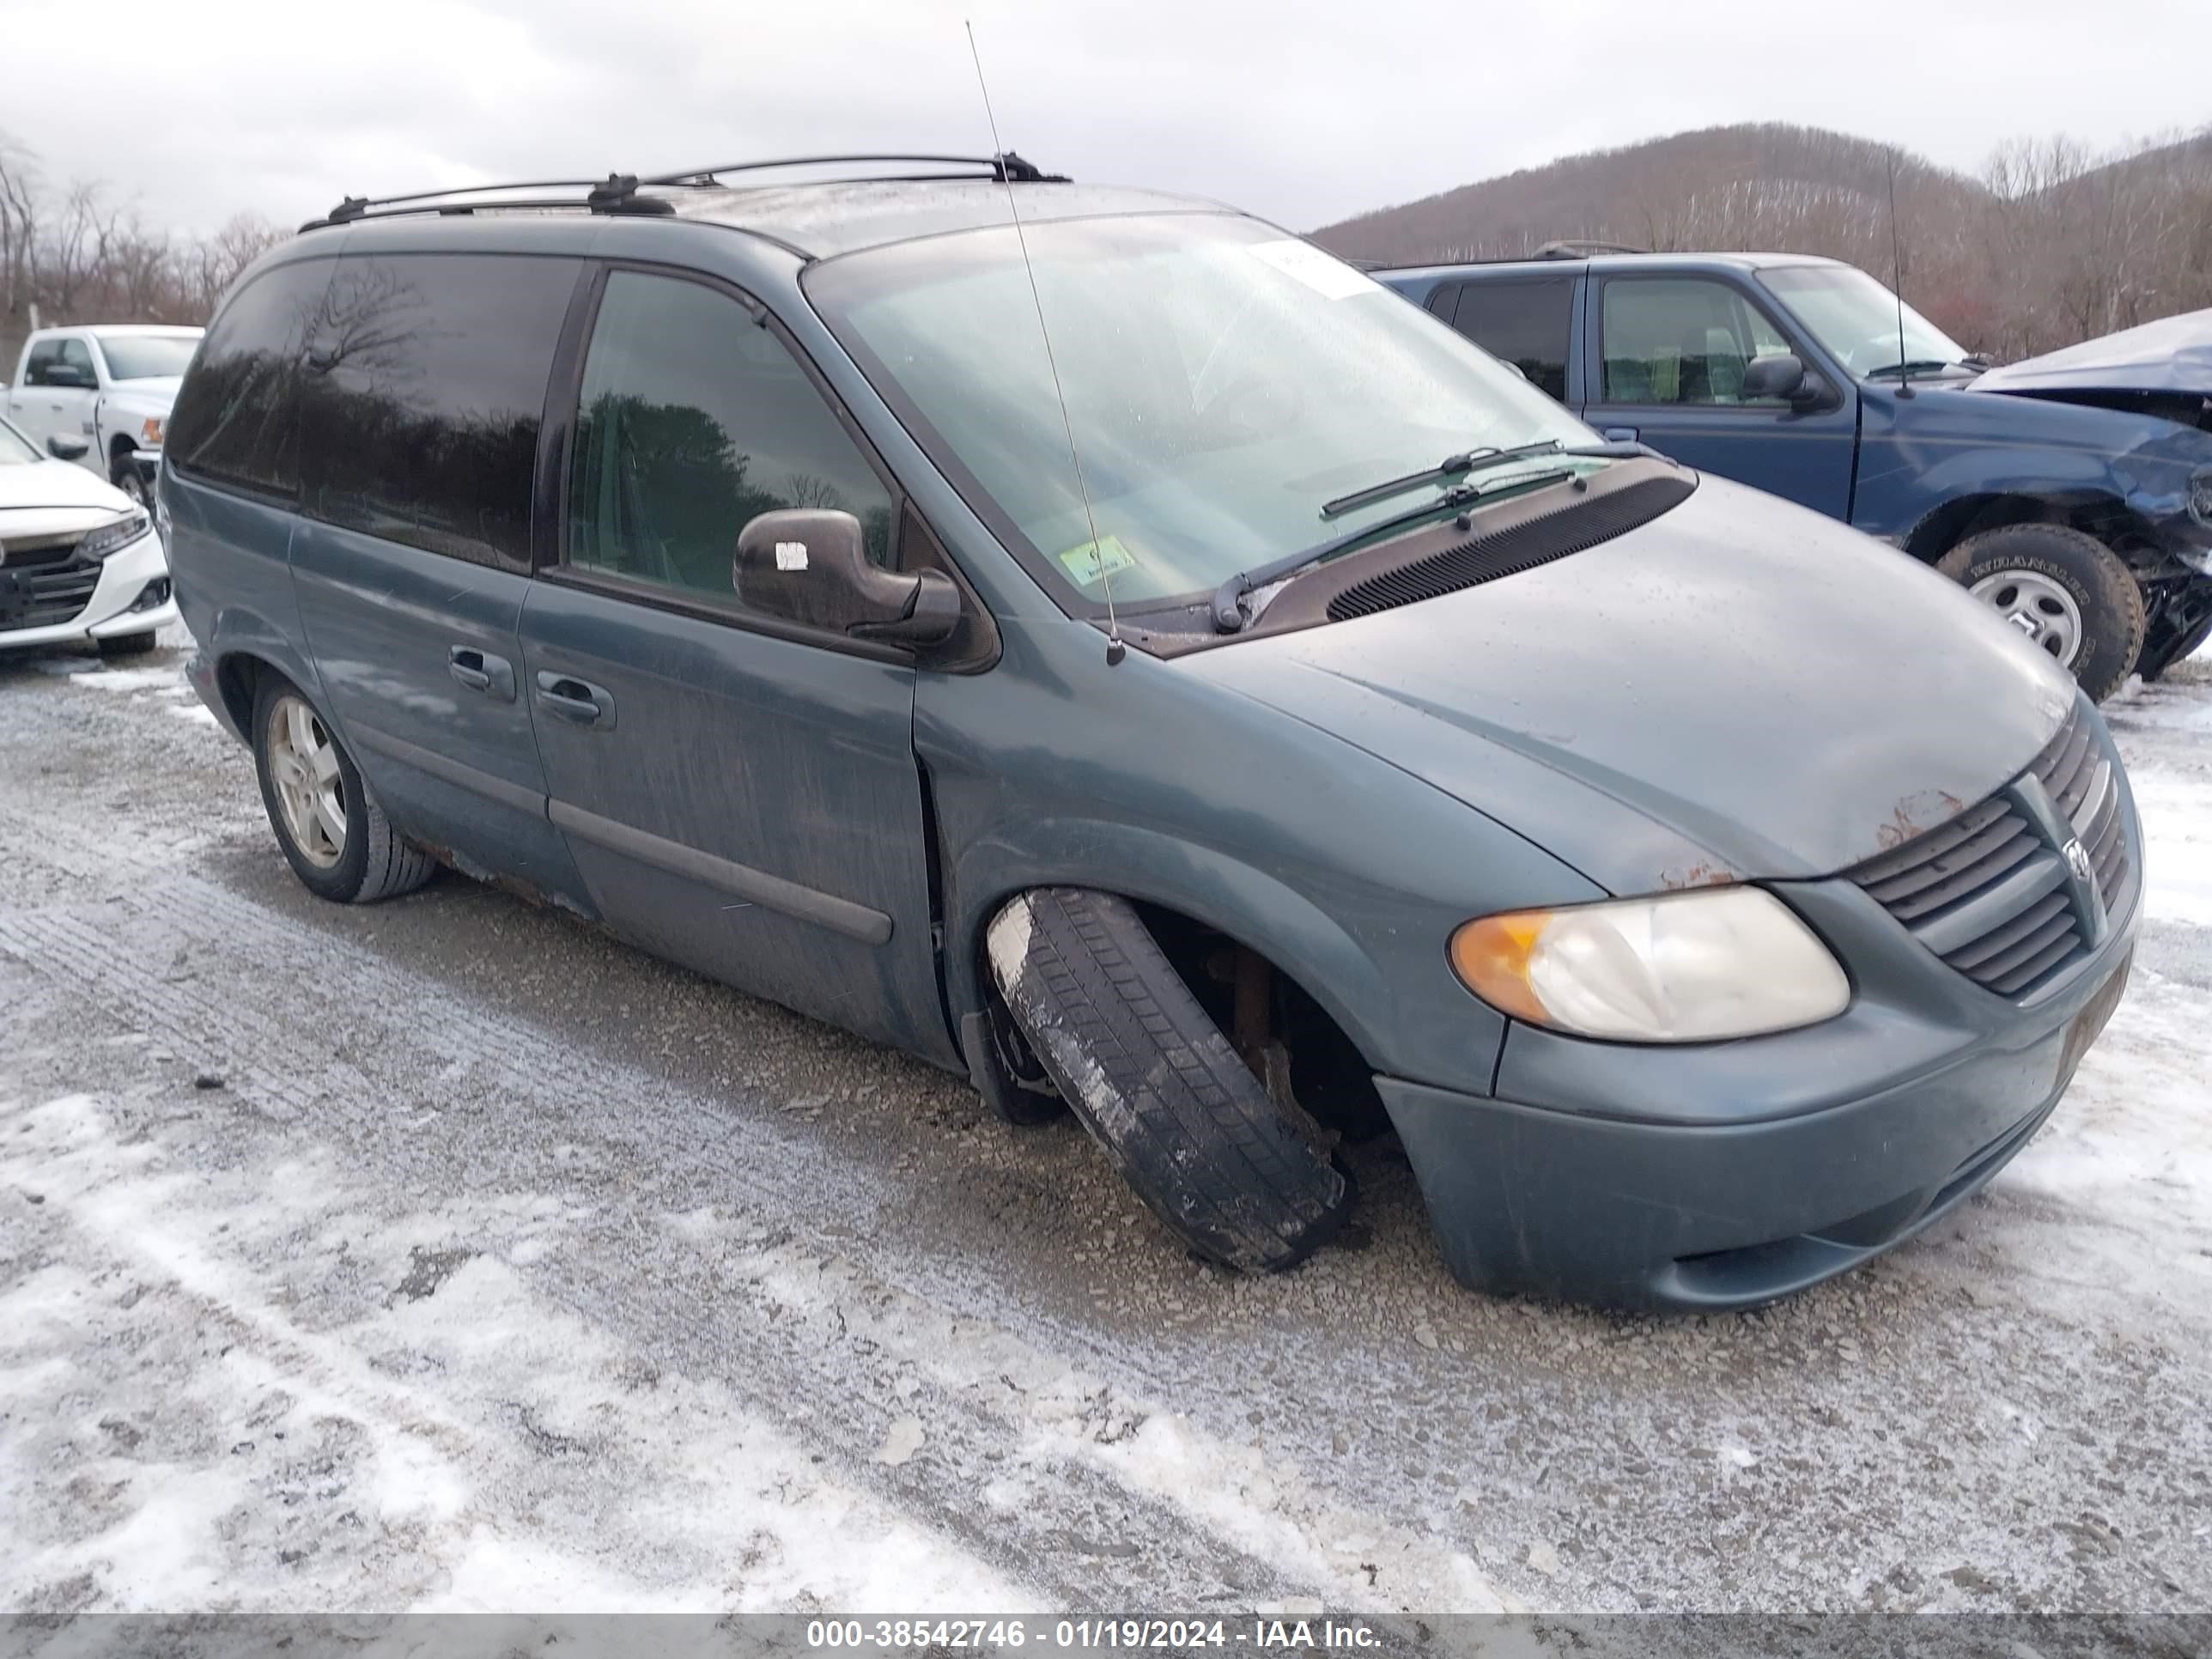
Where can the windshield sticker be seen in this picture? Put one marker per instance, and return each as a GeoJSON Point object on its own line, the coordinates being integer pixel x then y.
{"type": "Point", "coordinates": [1332, 278]}
{"type": "Point", "coordinates": [1104, 557]}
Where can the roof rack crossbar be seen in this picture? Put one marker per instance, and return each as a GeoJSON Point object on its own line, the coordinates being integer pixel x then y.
{"type": "Point", "coordinates": [618, 192]}
{"type": "Point", "coordinates": [366, 202]}
{"type": "Point", "coordinates": [567, 202]}
{"type": "Point", "coordinates": [998, 168]}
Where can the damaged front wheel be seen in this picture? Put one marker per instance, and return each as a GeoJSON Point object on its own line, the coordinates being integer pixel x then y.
{"type": "Point", "coordinates": [1243, 1179]}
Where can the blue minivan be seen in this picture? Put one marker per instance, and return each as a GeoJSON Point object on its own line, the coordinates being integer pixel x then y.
{"type": "Point", "coordinates": [2082, 511]}
{"type": "Point", "coordinates": [1095, 642]}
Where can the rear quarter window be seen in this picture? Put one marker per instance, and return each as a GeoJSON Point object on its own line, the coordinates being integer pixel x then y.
{"type": "Point", "coordinates": [1524, 323]}
{"type": "Point", "coordinates": [237, 418]}
{"type": "Point", "coordinates": [423, 416]}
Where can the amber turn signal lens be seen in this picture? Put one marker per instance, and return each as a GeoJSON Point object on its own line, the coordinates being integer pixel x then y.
{"type": "Point", "coordinates": [1491, 956]}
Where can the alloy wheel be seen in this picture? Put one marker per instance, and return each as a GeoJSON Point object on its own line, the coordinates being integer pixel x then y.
{"type": "Point", "coordinates": [303, 763]}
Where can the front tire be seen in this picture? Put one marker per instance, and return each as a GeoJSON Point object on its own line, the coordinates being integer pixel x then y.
{"type": "Point", "coordinates": [123, 472]}
{"type": "Point", "coordinates": [2067, 593]}
{"type": "Point", "coordinates": [333, 833]}
{"type": "Point", "coordinates": [1241, 1180]}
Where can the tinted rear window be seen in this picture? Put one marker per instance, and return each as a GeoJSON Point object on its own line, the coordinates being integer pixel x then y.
{"type": "Point", "coordinates": [423, 420]}
{"type": "Point", "coordinates": [1524, 323]}
{"type": "Point", "coordinates": [237, 419]}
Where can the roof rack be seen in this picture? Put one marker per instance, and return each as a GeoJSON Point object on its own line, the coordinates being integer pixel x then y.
{"type": "Point", "coordinates": [1006, 168]}
{"type": "Point", "coordinates": [1574, 248]}
{"type": "Point", "coordinates": [618, 192]}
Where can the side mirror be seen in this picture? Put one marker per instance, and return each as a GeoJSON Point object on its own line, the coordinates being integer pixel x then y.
{"type": "Point", "coordinates": [811, 567]}
{"type": "Point", "coordinates": [1781, 376]}
{"type": "Point", "coordinates": [65, 447]}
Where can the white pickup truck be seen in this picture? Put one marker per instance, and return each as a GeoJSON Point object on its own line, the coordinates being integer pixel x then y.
{"type": "Point", "coordinates": [109, 385]}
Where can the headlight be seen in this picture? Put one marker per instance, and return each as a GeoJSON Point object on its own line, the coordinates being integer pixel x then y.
{"type": "Point", "coordinates": [1723, 962]}
{"type": "Point", "coordinates": [113, 537]}
{"type": "Point", "coordinates": [149, 432]}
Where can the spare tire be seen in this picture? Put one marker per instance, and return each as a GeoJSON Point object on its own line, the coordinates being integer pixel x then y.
{"type": "Point", "coordinates": [2067, 592]}
{"type": "Point", "coordinates": [1241, 1180]}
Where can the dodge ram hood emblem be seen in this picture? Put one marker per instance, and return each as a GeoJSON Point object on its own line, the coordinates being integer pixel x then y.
{"type": "Point", "coordinates": [2077, 857]}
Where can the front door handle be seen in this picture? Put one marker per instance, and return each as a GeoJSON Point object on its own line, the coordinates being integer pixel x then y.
{"type": "Point", "coordinates": [1620, 435]}
{"type": "Point", "coordinates": [480, 670]}
{"type": "Point", "coordinates": [575, 699]}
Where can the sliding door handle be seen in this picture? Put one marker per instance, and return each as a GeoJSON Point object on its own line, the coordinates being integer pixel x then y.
{"type": "Point", "coordinates": [480, 670]}
{"type": "Point", "coordinates": [576, 700]}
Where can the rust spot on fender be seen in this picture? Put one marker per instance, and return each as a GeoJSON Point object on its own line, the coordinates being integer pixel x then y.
{"type": "Point", "coordinates": [1698, 875]}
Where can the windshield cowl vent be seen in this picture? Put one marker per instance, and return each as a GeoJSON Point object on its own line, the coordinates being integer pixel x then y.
{"type": "Point", "coordinates": [1567, 522]}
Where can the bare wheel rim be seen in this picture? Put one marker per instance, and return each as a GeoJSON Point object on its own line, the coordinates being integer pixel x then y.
{"type": "Point", "coordinates": [303, 763]}
{"type": "Point", "coordinates": [2041, 609]}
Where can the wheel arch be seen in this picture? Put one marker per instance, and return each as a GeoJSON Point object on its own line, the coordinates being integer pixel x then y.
{"type": "Point", "coordinates": [1199, 888]}
{"type": "Point", "coordinates": [2102, 515]}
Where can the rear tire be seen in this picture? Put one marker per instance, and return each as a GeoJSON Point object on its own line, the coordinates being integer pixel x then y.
{"type": "Point", "coordinates": [333, 833]}
{"type": "Point", "coordinates": [126, 645]}
{"type": "Point", "coordinates": [2069, 586]}
{"type": "Point", "coordinates": [1242, 1180]}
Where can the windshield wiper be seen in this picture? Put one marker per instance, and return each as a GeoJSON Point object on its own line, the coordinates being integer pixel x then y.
{"type": "Point", "coordinates": [1451, 466]}
{"type": "Point", "coordinates": [1920, 366]}
{"type": "Point", "coordinates": [1228, 609]}
{"type": "Point", "coordinates": [1228, 606]}
{"type": "Point", "coordinates": [1475, 460]}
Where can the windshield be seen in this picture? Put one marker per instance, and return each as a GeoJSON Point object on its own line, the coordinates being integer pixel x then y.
{"type": "Point", "coordinates": [146, 356]}
{"type": "Point", "coordinates": [16, 450]}
{"type": "Point", "coordinates": [1223, 383]}
{"type": "Point", "coordinates": [1854, 317]}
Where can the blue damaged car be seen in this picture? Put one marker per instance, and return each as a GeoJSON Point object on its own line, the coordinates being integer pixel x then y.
{"type": "Point", "coordinates": [1095, 642]}
{"type": "Point", "coordinates": [2073, 493]}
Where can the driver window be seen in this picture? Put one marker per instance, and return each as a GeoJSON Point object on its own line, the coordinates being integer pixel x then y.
{"type": "Point", "coordinates": [1682, 340]}
{"type": "Point", "coordinates": [694, 419]}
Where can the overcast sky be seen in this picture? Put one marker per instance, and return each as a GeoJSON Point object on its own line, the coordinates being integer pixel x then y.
{"type": "Point", "coordinates": [1306, 113]}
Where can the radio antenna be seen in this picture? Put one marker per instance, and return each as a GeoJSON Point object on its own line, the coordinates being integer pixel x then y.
{"type": "Point", "coordinates": [1897, 269]}
{"type": "Point", "coordinates": [1114, 649]}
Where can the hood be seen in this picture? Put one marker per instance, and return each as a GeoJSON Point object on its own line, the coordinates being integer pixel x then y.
{"type": "Point", "coordinates": [1739, 689]}
{"type": "Point", "coordinates": [154, 394]}
{"type": "Point", "coordinates": [54, 485]}
{"type": "Point", "coordinates": [2172, 355]}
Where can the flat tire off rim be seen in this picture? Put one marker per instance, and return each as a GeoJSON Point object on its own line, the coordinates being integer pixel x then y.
{"type": "Point", "coordinates": [303, 764]}
{"type": "Point", "coordinates": [2042, 610]}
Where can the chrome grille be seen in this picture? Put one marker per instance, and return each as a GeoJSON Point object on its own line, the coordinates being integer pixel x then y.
{"type": "Point", "coordinates": [1991, 891]}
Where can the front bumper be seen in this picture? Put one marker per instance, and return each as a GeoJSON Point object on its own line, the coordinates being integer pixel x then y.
{"type": "Point", "coordinates": [130, 595]}
{"type": "Point", "coordinates": [1725, 1214]}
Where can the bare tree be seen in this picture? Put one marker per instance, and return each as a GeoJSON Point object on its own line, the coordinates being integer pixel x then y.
{"type": "Point", "coordinates": [79, 255]}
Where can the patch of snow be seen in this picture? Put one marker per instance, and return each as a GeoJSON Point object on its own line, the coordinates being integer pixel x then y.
{"type": "Point", "coordinates": [2177, 821]}
{"type": "Point", "coordinates": [1263, 1506]}
{"type": "Point", "coordinates": [2128, 1158]}
{"type": "Point", "coordinates": [457, 1446]}
{"type": "Point", "coordinates": [119, 679]}
{"type": "Point", "coordinates": [904, 1440]}
{"type": "Point", "coordinates": [198, 713]}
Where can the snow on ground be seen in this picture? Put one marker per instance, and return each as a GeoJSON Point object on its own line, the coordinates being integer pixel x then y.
{"type": "Point", "coordinates": [321, 1425]}
{"type": "Point", "coordinates": [455, 1289]}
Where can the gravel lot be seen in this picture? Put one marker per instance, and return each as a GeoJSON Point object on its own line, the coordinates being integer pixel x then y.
{"type": "Point", "coordinates": [446, 1255]}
